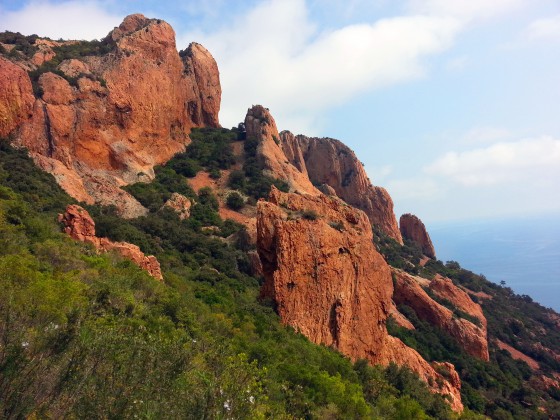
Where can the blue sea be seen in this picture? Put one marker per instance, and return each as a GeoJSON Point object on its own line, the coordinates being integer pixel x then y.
{"type": "Point", "coordinates": [525, 253]}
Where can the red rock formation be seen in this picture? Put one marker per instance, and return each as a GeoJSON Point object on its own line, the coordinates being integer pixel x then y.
{"type": "Point", "coordinates": [16, 96]}
{"type": "Point", "coordinates": [329, 283]}
{"type": "Point", "coordinates": [132, 110]}
{"type": "Point", "coordinates": [260, 125]}
{"type": "Point", "coordinates": [446, 383]}
{"type": "Point", "coordinates": [469, 336]}
{"type": "Point", "coordinates": [180, 204]}
{"type": "Point", "coordinates": [414, 230]}
{"type": "Point", "coordinates": [79, 225]}
{"type": "Point", "coordinates": [445, 289]}
{"type": "Point", "coordinates": [329, 161]}
{"type": "Point", "coordinates": [399, 318]}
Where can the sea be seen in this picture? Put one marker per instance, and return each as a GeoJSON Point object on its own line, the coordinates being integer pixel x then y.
{"type": "Point", "coordinates": [523, 252]}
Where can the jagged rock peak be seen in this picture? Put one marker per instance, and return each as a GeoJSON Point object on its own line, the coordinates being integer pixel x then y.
{"type": "Point", "coordinates": [414, 230]}
{"type": "Point", "coordinates": [260, 125]}
{"type": "Point", "coordinates": [131, 108]}
{"type": "Point", "coordinates": [330, 162]}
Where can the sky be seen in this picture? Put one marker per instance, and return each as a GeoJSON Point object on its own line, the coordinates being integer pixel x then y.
{"type": "Point", "coordinates": [452, 105]}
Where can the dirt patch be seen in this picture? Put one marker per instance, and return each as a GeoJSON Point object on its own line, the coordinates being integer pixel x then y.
{"type": "Point", "coordinates": [517, 355]}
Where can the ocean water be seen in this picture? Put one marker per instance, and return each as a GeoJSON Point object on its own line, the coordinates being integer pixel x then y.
{"type": "Point", "coordinates": [525, 253]}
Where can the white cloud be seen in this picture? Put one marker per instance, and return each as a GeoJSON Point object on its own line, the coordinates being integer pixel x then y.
{"type": "Point", "coordinates": [417, 188]}
{"type": "Point", "coordinates": [544, 29]}
{"type": "Point", "coordinates": [68, 20]}
{"type": "Point", "coordinates": [274, 55]}
{"type": "Point", "coordinates": [528, 162]}
{"type": "Point", "coordinates": [465, 10]}
{"type": "Point", "coordinates": [457, 63]}
{"type": "Point", "coordinates": [485, 134]}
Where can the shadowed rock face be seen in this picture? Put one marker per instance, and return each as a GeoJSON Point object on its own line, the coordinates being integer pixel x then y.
{"type": "Point", "coordinates": [79, 225]}
{"type": "Point", "coordinates": [414, 230]}
{"type": "Point", "coordinates": [328, 282]}
{"type": "Point", "coordinates": [132, 109]}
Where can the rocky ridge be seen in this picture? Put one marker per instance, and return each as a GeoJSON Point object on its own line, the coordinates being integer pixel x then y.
{"type": "Point", "coordinates": [104, 132]}
{"type": "Point", "coordinates": [79, 225]}
{"type": "Point", "coordinates": [408, 291]}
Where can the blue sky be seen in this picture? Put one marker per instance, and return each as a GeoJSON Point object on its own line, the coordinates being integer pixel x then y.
{"type": "Point", "coordinates": [452, 105]}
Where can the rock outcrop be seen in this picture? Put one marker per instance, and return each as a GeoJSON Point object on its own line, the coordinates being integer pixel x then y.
{"type": "Point", "coordinates": [16, 96]}
{"type": "Point", "coordinates": [470, 337]}
{"type": "Point", "coordinates": [129, 110]}
{"type": "Point", "coordinates": [261, 126]}
{"type": "Point", "coordinates": [414, 230]}
{"type": "Point", "coordinates": [328, 282]}
{"type": "Point", "coordinates": [180, 204]}
{"type": "Point", "coordinates": [445, 289]}
{"type": "Point", "coordinates": [79, 225]}
{"type": "Point", "coordinates": [329, 162]}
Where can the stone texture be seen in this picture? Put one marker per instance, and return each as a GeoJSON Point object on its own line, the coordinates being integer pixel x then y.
{"type": "Point", "coordinates": [260, 125]}
{"type": "Point", "coordinates": [471, 338]}
{"type": "Point", "coordinates": [180, 204]}
{"type": "Point", "coordinates": [414, 230]}
{"type": "Point", "coordinates": [133, 111]}
{"type": "Point", "coordinates": [329, 162]}
{"type": "Point", "coordinates": [79, 225]}
{"type": "Point", "coordinates": [445, 289]}
{"type": "Point", "coordinates": [329, 283]}
{"type": "Point", "coordinates": [16, 96]}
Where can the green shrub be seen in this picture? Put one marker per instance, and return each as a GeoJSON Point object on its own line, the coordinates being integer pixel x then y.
{"type": "Point", "coordinates": [235, 201]}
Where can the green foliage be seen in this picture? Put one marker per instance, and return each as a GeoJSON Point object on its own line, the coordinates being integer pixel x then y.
{"type": "Point", "coordinates": [310, 215]}
{"type": "Point", "coordinates": [23, 44]}
{"type": "Point", "coordinates": [235, 201]}
{"type": "Point", "coordinates": [67, 51]}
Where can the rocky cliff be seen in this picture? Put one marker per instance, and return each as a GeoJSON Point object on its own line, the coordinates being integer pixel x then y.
{"type": "Point", "coordinates": [79, 225]}
{"type": "Point", "coordinates": [413, 229]}
{"type": "Point", "coordinates": [106, 120]}
{"type": "Point", "coordinates": [328, 282]}
{"type": "Point", "coordinates": [331, 163]}
{"type": "Point", "coordinates": [409, 291]}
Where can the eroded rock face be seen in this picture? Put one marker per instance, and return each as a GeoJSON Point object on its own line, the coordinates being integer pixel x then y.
{"type": "Point", "coordinates": [470, 337]}
{"type": "Point", "coordinates": [260, 125]}
{"type": "Point", "coordinates": [79, 225]}
{"type": "Point", "coordinates": [16, 96]}
{"type": "Point", "coordinates": [329, 162]}
{"type": "Point", "coordinates": [444, 288]}
{"type": "Point", "coordinates": [132, 109]}
{"type": "Point", "coordinates": [328, 282]}
{"type": "Point", "coordinates": [414, 230]}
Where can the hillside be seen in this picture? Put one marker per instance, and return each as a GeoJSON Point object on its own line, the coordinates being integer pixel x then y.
{"type": "Point", "coordinates": [248, 259]}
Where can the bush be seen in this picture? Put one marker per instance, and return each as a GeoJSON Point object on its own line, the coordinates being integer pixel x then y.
{"type": "Point", "coordinates": [235, 201]}
{"type": "Point", "coordinates": [310, 215]}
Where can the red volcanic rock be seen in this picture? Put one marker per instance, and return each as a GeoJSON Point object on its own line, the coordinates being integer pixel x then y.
{"type": "Point", "coordinates": [414, 230]}
{"type": "Point", "coordinates": [330, 162]}
{"type": "Point", "coordinates": [133, 111]}
{"type": "Point", "coordinates": [260, 125]}
{"type": "Point", "coordinates": [445, 289]}
{"type": "Point", "coordinates": [469, 336]}
{"type": "Point", "coordinates": [399, 318]}
{"type": "Point", "coordinates": [16, 96]}
{"type": "Point", "coordinates": [79, 225]}
{"type": "Point", "coordinates": [446, 383]}
{"type": "Point", "coordinates": [329, 283]}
